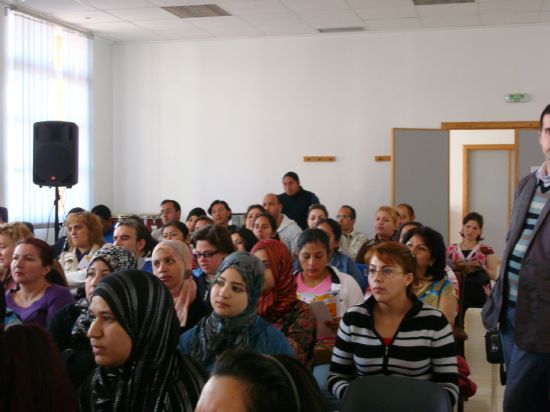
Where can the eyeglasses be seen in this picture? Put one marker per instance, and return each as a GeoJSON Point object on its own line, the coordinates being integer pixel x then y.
{"type": "Point", "coordinates": [206, 255]}
{"type": "Point", "coordinates": [385, 271]}
{"type": "Point", "coordinates": [342, 216]}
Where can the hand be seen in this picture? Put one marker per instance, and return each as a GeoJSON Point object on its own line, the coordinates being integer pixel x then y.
{"type": "Point", "coordinates": [333, 324]}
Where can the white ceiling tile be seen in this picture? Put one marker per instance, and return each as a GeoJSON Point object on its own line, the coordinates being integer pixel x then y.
{"type": "Point", "coordinates": [244, 8]}
{"type": "Point", "coordinates": [146, 13]}
{"type": "Point", "coordinates": [167, 3]}
{"type": "Point", "coordinates": [92, 16]}
{"type": "Point", "coordinates": [158, 25]}
{"type": "Point", "coordinates": [282, 18]}
{"type": "Point", "coordinates": [327, 19]}
{"type": "Point", "coordinates": [451, 21]}
{"type": "Point", "coordinates": [55, 6]}
{"type": "Point", "coordinates": [315, 5]}
{"type": "Point", "coordinates": [183, 34]}
{"type": "Point", "coordinates": [225, 26]}
{"type": "Point", "coordinates": [394, 24]}
{"type": "Point", "coordinates": [387, 13]}
{"type": "Point", "coordinates": [122, 31]}
{"type": "Point", "coordinates": [448, 10]}
{"type": "Point", "coordinates": [510, 6]}
{"type": "Point", "coordinates": [379, 4]}
{"type": "Point", "coordinates": [510, 18]}
{"type": "Point", "coordinates": [117, 4]}
{"type": "Point", "coordinates": [286, 29]}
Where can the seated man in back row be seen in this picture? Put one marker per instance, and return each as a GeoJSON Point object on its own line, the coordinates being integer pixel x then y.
{"type": "Point", "coordinates": [132, 235]}
{"type": "Point", "coordinates": [351, 240]}
{"type": "Point", "coordinates": [288, 229]}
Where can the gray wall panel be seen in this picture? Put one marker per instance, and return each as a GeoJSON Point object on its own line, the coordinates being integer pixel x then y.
{"type": "Point", "coordinates": [421, 175]}
{"type": "Point", "coordinates": [529, 151]}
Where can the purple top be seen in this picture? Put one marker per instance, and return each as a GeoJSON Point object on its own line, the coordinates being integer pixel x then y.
{"type": "Point", "coordinates": [41, 311]}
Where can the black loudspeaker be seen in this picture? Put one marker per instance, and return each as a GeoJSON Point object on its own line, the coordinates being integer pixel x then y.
{"type": "Point", "coordinates": [55, 154]}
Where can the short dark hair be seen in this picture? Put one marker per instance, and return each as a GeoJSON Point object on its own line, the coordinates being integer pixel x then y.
{"type": "Point", "coordinates": [544, 113]}
{"type": "Point", "coordinates": [313, 236]}
{"type": "Point", "coordinates": [256, 206]}
{"type": "Point", "coordinates": [408, 207]}
{"type": "Point", "coordinates": [174, 203]}
{"type": "Point", "coordinates": [271, 219]}
{"type": "Point", "coordinates": [336, 229]}
{"type": "Point", "coordinates": [435, 243]}
{"type": "Point", "coordinates": [141, 232]}
{"type": "Point", "coordinates": [102, 211]}
{"type": "Point", "coordinates": [476, 217]}
{"type": "Point", "coordinates": [352, 212]}
{"type": "Point", "coordinates": [316, 206]}
{"type": "Point", "coordinates": [411, 223]}
{"type": "Point", "coordinates": [196, 211]}
{"type": "Point", "coordinates": [248, 236]}
{"type": "Point", "coordinates": [219, 202]}
{"type": "Point", "coordinates": [274, 383]}
{"type": "Point", "coordinates": [217, 236]}
{"type": "Point", "coordinates": [178, 225]}
{"type": "Point", "coordinates": [292, 175]}
{"type": "Point", "coordinates": [4, 214]}
{"type": "Point", "coordinates": [47, 258]}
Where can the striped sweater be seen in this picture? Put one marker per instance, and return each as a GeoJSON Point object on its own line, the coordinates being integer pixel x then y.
{"type": "Point", "coordinates": [422, 348]}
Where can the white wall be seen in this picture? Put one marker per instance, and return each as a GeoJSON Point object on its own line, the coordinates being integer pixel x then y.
{"type": "Point", "coordinates": [201, 120]}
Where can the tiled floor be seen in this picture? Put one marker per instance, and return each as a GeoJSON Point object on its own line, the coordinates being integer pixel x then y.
{"type": "Point", "coordinates": [489, 390]}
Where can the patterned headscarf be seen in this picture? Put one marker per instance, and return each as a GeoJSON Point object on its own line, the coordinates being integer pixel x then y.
{"type": "Point", "coordinates": [217, 333]}
{"type": "Point", "coordinates": [117, 259]}
{"type": "Point", "coordinates": [277, 302]}
{"type": "Point", "coordinates": [150, 380]}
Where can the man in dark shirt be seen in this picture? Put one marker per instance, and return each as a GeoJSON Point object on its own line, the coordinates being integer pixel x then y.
{"type": "Point", "coordinates": [296, 200]}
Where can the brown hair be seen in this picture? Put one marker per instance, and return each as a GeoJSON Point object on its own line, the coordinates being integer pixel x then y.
{"type": "Point", "coordinates": [16, 231]}
{"type": "Point", "coordinates": [397, 254]}
{"type": "Point", "coordinates": [47, 257]}
{"type": "Point", "coordinates": [34, 364]}
{"type": "Point", "coordinates": [92, 222]}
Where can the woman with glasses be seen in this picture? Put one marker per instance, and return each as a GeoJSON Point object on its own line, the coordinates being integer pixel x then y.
{"type": "Point", "coordinates": [211, 244]}
{"type": "Point", "coordinates": [393, 333]}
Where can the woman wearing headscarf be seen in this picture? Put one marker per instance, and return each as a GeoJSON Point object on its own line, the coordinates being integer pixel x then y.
{"type": "Point", "coordinates": [172, 265]}
{"type": "Point", "coordinates": [279, 304]}
{"type": "Point", "coordinates": [70, 325]}
{"type": "Point", "coordinates": [134, 338]}
{"type": "Point", "coordinates": [234, 322]}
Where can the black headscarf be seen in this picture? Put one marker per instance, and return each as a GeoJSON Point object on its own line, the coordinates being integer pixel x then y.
{"type": "Point", "coordinates": [154, 378]}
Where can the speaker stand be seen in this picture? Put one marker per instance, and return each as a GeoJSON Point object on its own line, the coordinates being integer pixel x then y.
{"type": "Point", "coordinates": [56, 221]}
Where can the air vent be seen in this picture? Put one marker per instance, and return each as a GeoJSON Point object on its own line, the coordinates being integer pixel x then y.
{"type": "Point", "coordinates": [341, 29]}
{"type": "Point", "coordinates": [203, 10]}
{"type": "Point", "coordinates": [434, 2]}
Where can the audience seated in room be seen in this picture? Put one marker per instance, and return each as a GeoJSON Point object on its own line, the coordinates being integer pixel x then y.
{"type": "Point", "coordinates": [170, 210]}
{"type": "Point", "coordinates": [234, 322]}
{"type": "Point", "coordinates": [393, 332]}
{"type": "Point", "coordinates": [287, 229]}
{"type": "Point", "coordinates": [279, 304]}
{"type": "Point", "coordinates": [70, 324]}
{"type": "Point", "coordinates": [172, 265]}
{"type": "Point", "coordinates": [42, 290]}
{"type": "Point", "coordinates": [85, 237]}
{"type": "Point", "coordinates": [134, 334]}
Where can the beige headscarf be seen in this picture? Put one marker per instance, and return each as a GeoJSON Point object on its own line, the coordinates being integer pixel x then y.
{"type": "Point", "coordinates": [187, 287]}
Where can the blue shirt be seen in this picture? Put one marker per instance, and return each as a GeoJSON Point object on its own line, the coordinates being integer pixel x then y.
{"type": "Point", "coordinates": [263, 338]}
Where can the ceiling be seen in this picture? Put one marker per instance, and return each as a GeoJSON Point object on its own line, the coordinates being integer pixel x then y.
{"type": "Point", "coordinates": [133, 20]}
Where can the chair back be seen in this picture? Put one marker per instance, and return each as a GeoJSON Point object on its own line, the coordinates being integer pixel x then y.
{"type": "Point", "coordinates": [380, 393]}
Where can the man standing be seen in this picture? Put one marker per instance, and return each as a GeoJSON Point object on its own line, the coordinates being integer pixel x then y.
{"type": "Point", "coordinates": [170, 210]}
{"type": "Point", "coordinates": [351, 240]}
{"type": "Point", "coordinates": [295, 200]}
{"type": "Point", "coordinates": [520, 301]}
{"type": "Point", "coordinates": [288, 229]}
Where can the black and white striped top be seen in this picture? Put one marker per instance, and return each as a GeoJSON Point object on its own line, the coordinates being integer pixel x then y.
{"type": "Point", "coordinates": [423, 348]}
